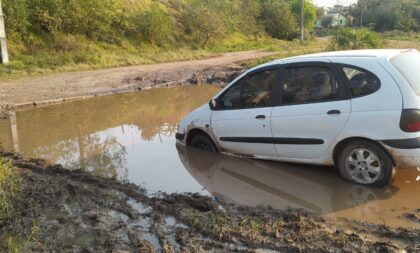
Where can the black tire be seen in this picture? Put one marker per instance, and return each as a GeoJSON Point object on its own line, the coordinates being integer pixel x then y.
{"type": "Point", "coordinates": [203, 142]}
{"type": "Point", "coordinates": [359, 171]}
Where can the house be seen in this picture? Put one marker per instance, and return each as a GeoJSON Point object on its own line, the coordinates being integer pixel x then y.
{"type": "Point", "coordinates": [335, 16]}
{"type": "Point", "coordinates": [337, 19]}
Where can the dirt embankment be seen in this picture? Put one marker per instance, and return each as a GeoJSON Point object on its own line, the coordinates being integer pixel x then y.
{"type": "Point", "coordinates": [63, 211]}
{"type": "Point", "coordinates": [218, 69]}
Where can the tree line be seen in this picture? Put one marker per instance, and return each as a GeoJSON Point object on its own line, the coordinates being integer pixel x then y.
{"type": "Point", "coordinates": [386, 15]}
{"type": "Point", "coordinates": [199, 23]}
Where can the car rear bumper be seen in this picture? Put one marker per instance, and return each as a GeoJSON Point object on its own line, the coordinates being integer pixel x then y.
{"type": "Point", "coordinates": [413, 143]}
{"type": "Point", "coordinates": [405, 152]}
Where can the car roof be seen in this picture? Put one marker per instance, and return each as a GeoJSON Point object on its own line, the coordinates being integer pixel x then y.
{"type": "Point", "coordinates": [372, 53]}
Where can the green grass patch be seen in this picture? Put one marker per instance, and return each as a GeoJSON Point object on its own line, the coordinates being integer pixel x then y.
{"type": "Point", "coordinates": [20, 243]}
{"type": "Point", "coordinates": [67, 53]}
{"type": "Point", "coordinates": [76, 53]}
{"type": "Point", "coordinates": [402, 40]}
{"type": "Point", "coordinates": [309, 47]}
{"type": "Point", "coordinates": [9, 188]}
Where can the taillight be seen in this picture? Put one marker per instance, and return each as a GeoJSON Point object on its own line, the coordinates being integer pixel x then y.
{"type": "Point", "coordinates": [414, 127]}
{"type": "Point", "coordinates": [410, 120]}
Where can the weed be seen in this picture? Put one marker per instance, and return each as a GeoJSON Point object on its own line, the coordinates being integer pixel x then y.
{"type": "Point", "coordinates": [9, 188]}
{"type": "Point", "coordinates": [17, 244]}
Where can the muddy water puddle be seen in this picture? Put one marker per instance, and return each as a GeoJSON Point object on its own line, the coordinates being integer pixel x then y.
{"type": "Point", "coordinates": [131, 137]}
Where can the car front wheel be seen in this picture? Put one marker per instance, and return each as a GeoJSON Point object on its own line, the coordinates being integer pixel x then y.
{"type": "Point", "coordinates": [203, 142]}
{"type": "Point", "coordinates": [366, 163]}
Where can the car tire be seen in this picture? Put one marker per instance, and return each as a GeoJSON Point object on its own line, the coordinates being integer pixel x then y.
{"type": "Point", "coordinates": [366, 163]}
{"type": "Point", "coordinates": [203, 142]}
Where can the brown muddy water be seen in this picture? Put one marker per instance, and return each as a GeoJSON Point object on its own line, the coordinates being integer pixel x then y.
{"type": "Point", "coordinates": [131, 137]}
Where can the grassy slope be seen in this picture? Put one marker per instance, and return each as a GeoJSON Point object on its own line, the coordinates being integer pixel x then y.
{"type": "Point", "coordinates": [74, 53]}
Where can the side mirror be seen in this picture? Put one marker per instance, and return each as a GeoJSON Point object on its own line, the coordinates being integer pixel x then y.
{"type": "Point", "coordinates": [213, 104]}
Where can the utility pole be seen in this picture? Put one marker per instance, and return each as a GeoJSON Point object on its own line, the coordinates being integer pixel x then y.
{"type": "Point", "coordinates": [302, 20]}
{"type": "Point", "coordinates": [361, 13]}
{"type": "Point", "coordinates": [4, 56]}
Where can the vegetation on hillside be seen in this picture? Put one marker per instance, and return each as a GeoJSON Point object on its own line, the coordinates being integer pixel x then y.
{"type": "Point", "coordinates": [52, 35]}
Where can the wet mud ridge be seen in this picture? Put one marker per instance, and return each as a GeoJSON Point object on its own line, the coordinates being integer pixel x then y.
{"type": "Point", "coordinates": [74, 211]}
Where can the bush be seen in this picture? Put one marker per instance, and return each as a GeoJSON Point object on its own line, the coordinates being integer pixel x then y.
{"type": "Point", "coordinates": [155, 24]}
{"type": "Point", "coordinates": [349, 38]}
{"type": "Point", "coordinates": [278, 20]}
{"type": "Point", "coordinates": [203, 24]}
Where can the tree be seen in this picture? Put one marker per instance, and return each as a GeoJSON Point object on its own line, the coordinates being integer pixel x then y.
{"type": "Point", "coordinates": [310, 12]}
{"type": "Point", "coordinates": [155, 24]}
{"type": "Point", "coordinates": [203, 24]}
{"type": "Point", "coordinates": [320, 12]}
{"type": "Point", "coordinates": [17, 16]}
{"type": "Point", "coordinates": [278, 19]}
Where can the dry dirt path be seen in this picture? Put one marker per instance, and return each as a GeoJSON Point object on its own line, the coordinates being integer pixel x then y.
{"type": "Point", "coordinates": [55, 87]}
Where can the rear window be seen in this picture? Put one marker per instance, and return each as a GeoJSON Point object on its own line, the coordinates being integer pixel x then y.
{"type": "Point", "coordinates": [361, 81]}
{"type": "Point", "coordinates": [408, 65]}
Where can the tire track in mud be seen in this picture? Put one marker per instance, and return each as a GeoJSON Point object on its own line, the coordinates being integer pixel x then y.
{"type": "Point", "coordinates": [75, 211]}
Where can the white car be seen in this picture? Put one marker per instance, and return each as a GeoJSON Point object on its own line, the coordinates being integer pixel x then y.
{"type": "Point", "coordinates": [357, 110]}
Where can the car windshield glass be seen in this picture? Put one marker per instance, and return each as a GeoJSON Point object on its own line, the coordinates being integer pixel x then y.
{"type": "Point", "coordinates": [408, 64]}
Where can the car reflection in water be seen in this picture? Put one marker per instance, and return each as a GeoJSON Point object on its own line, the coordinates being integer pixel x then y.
{"type": "Point", "coordinates": [279, 185]}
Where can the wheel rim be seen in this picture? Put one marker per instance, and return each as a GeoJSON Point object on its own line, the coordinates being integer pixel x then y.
{"type": "Point", "coordinates": [363, 166]}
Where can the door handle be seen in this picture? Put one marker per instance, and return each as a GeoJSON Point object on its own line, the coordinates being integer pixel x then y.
{"type": "Point", "coordinates": [260, 117]}
{"type": "Point", "coordinates": [333, 112]}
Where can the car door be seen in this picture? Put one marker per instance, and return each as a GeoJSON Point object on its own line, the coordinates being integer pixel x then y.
{"type": "Point", "coordinates": [314, 107]}
{"type": "Point", "coordinates": [241, 119]}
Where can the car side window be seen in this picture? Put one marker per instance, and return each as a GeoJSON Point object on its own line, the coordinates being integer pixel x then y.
{"type": "Point", "coordinates": [361, 82]}
{"type": "Point", "coordinates": [309, 85]}
{"type": "Point", "coordinates": [252, 91]}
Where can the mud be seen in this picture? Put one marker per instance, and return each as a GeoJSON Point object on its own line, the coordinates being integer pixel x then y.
{"type": "Point", "coordinates": [74, 211]}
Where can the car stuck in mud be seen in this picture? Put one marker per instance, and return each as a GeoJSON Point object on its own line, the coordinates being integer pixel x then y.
{"type": "Point", "coordinates": [357, 110]}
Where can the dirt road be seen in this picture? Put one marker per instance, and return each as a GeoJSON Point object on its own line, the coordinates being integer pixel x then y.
{"type": "Point", "coordinates": [88, 83]}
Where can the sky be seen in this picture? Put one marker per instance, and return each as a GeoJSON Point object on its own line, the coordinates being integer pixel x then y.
{"type": "Point", "coordinates": [332, 2]}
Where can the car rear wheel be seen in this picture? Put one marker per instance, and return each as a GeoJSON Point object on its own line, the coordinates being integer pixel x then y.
{"type": "Point", "coordinates": [366, 163]}
{"type": "Point", "coordinates": [203, 142]}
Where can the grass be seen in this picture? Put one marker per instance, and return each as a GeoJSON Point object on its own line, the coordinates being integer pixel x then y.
{"type": "Point", "coordinates": [17, 244]}
{"type": "Point", "coordinates": [76, 53]}
{"type": "Point", "coordinates": [399, 39]}
{"type": "Point", "coordinates": [9, 188]}
{"type": "Point", "coordinates": [68, 53]}
{"type": "Point", "coordinates": [311, 46]}
{"type": "Point", "coordinates": [255, 228]}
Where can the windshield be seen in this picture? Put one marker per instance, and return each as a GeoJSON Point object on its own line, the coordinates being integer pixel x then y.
{"type": "Point", "coordinates": [408, 65]}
